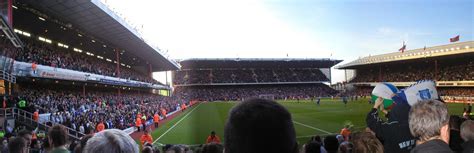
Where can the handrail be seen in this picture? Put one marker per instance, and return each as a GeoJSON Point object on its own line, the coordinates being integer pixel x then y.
{"type": "Point", "coordinates": [27, 118]}
{"type": "Point", "coordinates": [7, 76]}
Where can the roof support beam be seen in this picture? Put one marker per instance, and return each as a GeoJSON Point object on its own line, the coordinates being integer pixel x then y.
{"type": "Point", "coordinates": [117, 58]}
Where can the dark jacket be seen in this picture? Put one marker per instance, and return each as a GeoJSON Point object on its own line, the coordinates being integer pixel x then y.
{"type": "Point", "coordinates": [468, 146]}
{"type": "Point", "coordinates": [455, 141]}
{"type": "Point", "coordinates": [432, 146]}
{"type": "Point", "coordinates": [395, 133]}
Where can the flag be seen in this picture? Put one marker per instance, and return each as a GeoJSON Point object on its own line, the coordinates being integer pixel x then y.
{"type": "Point", "coordinates": [403, 47]}
{"type": "Point", "coordinates": [454, 39]}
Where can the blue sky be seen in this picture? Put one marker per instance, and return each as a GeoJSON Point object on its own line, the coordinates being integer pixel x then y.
{"type": "Point", "coordinates": [347, 29]}
{"type": "Point", "coordinates": [353, 29]}
{"type": "Point", "coordinates": [367, 26]}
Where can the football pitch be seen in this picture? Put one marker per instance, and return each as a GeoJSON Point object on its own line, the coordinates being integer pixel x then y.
{"type": "Point", "coordinates": [194, 125]}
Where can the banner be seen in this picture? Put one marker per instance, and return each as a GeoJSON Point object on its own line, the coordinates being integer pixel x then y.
{"type": "Point", "coordinates": [43, 118]}
{"type": "Point", "coordinates": [23, 69]}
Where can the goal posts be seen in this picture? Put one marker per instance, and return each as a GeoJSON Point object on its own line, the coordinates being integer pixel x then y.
{"type": "Point", "coordinates": [267, 96]}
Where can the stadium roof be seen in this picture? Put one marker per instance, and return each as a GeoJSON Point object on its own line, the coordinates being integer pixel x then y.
{"type": "Point", "coordinates": [229, 63]}
{"type": "Point", "coordinates": [454, 49]}
{"type": "Point", "coordinates": [93, 18]}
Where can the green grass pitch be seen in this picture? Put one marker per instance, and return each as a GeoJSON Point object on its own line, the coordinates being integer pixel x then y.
{"type": "Point", "coordinates": [194, 125]}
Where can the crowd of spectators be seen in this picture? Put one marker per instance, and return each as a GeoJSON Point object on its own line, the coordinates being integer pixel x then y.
{"type": "Point", "coordinates": [248, 76]}
{"type": "Point", "coordinates": [446, 91]}
{"type": "Point", "coordinates": [83, 112]}
{"type": "Point", "coordinates": [237, 92]}
{"type": "Point", "coordinates": [251, 126]}
{"type": "Point", "coordinates": [357, 91]}
{"type": "Point", "coordinates": [51, 55]}
{"type": "Point", "coordinates": [458, 92]}
{"type": "Point", "coordinates": [461, 69]}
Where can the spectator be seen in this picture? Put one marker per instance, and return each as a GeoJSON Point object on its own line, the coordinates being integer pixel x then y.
{"type": "Point", "coordinates": [340, 138]}
{"type": "Point", "coordinates": [345, 147]}
{"type": "Point", "coordinates": [316, 138]}
{"type": "Point", "coordinates": [36, 116]}
{"type": "Point", "coordinates": [395, 133]}
{"type": "Point", "coordinates": [111, 141]}
{"type": "Point", "coordinates": [147, 149]}
{"type": "Point", "coordinates": [213, 138]}
{"type": "Point", "coordinates": [366, 142]}
{"type": "Point", "coordinates": [312, 147]}
{"type": "Point", "coordinates": [100, 126]}
{"type": "Point", "coordinates": [82, 143]}
{"type": "Point", "coordinates": [429, 122]}
{"type": "Point", "coordinates": [346, 132]}
{"type": "Point", "coordinates": [455, 139]}
{"type": "Point", "coordinates": [467, 133]}
{"type": "Point", "coordinates": [58, 138]}
{"type": "Point", "coordinates": [18, 145]}
{"type": "Point", "coordinates": [176, 149]}
{"type": "Point", "coordinates": [5, 146]}
{"type": "Point", "coordinates": [259, 125]}
{"type": "Point", "coordinates": [27, 135]}
{"type": "Point", "coordinates": [212, 148]}
{"type": "Point", "coordinates": [331, 144]}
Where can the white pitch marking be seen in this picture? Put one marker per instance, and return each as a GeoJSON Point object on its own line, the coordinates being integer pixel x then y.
{"type": "Point", "coordinates": [175, 124]}
{"type": "Point", "coordinates": [314, 128]}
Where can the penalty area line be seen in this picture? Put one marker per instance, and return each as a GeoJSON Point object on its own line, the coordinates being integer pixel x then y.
{"type": "Point", "coordinates": [185, 116]}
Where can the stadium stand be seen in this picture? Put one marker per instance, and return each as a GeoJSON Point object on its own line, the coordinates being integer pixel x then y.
{"type": "Point", "coordinates": [239, 71]}
{"type": "Point", "coordinates": [235, 79]}
{"type": "Point", "coordinates": [249, 76]}
{"type": "Point", "coordinates": [451, 62]}
{"type": "Point", "coordinates": [450, 65]}
{"type": "Point", "coordinates": [58, 57]}
{"type": "Point", "coordinates": [238, 92]}
{"type": "Point", "coordinates": [61, 71]}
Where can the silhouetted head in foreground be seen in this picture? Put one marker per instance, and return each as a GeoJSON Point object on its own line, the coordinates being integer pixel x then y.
{"type": "Point", "coordinates": [111, 141]}
{"type": "Point", "coordinates": [259, 125]}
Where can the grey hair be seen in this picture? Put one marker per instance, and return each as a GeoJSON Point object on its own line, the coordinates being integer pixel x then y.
{"type": "Point", "coordinates": [176, 149]}
{"type": "Point", "coordinates": [111, 141]}
{"type": "Point", "coordinates": [467, 130]}
{"type": "Point", "coordinates": [426, 119]}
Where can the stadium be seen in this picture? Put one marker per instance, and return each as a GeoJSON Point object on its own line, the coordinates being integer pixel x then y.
{"type": "Point", "coordinates": [76, 76]}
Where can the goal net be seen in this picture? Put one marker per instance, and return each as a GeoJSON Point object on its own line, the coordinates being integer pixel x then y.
{"type": "Point", "coordinates": [267, 96]}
